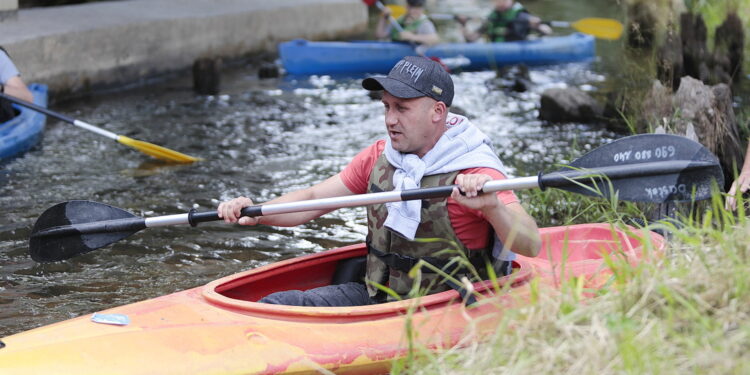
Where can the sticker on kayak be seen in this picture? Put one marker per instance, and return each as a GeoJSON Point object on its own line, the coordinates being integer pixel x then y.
{"type": "Point", "coordinates": [114, 319]}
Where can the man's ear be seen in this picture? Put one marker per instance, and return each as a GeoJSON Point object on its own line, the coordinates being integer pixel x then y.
{"type": "Point", "coordinates": [438, 111]}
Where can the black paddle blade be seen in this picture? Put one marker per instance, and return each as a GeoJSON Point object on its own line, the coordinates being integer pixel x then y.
{"type": "Point", "coordinates": [78, 227]}
{"type": "Point", "coordinates": [653, 168]}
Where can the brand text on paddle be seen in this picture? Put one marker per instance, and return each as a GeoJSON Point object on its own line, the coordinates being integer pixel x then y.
{"type": "Point", "coordinates": [658, 153]}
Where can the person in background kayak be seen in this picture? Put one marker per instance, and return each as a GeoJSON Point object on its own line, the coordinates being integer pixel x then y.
{"type": "Point", "coordinates": [417, 26]}
{"type": "Point", "coordinates": [509, 21]}
{"type": "Point", "coordinates": [11, 84]}
{"type": "Point", "coordinates": [426, 146]}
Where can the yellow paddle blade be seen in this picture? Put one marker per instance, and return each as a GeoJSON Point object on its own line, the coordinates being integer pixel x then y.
{"type": "Point", "coordinates": [604, 28]}
{"type": "Point", "coordinates": [156, 151]}
{"type": "Point", "coordinates": [396, 10]}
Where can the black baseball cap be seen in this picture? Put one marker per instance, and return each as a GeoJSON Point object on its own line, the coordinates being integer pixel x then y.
{"type": "Point", "coordinates": [414, 77]}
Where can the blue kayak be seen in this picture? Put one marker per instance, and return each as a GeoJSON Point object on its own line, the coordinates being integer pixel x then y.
{"type": "Point", "coordinates": [23, 131]}
{"type": "Point", "coordinates": [303, 57]}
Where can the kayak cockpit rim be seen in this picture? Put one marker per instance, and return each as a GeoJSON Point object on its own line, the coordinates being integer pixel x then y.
{"type": "Point", "coordinates": [587, 244]}
{"type": "Point", "coordinates": [225, 292]}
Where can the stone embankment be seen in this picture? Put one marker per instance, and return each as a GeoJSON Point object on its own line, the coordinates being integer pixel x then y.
{"type": "Point", "coordinates": [108, 44]}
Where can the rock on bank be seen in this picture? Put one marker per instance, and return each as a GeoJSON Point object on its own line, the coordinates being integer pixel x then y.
{"type": "Point", "coordinates": [78, 47]}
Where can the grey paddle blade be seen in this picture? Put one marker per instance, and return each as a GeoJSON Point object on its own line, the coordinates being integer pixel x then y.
{"type": "Point", "coordinates": [653, 168]}
{"type": "Point", "coordinates": [78, 227]}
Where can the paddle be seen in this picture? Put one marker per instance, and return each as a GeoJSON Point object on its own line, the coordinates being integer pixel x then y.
{"type": "Point", "coordinates": [144, 147]}
{"type": "Point", "coordinates": [644, 168]}
{"type": "Point", "coordinates": [380, 6]}
{"type": "Point", "coordinates": [602, 28]}
{"type": "Point", "coordinates": [396, 10]}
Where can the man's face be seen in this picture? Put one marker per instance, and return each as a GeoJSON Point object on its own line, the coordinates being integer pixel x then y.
{"type": "Point", "coordinates": [413, 125]}
{"type": "Point", "coordinates": [503, 5]}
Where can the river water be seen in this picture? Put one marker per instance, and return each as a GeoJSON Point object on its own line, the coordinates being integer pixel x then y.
{"type": "Point", "coordinates": [260, 138]}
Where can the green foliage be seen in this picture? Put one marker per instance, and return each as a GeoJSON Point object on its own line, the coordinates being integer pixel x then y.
{"type": "Point", "coordinates": [714, 12]}
{"type": "Point", "coordinates": [554, 207]}
{"type": "Point", "coordinates": [684, 311]}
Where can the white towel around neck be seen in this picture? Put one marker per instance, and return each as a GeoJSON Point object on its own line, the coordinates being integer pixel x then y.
{"type": "Point", "coordinates": [461, 147]}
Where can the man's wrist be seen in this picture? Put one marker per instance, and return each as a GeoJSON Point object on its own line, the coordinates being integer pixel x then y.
{"type": "Point", "coordinates": [492, 207]}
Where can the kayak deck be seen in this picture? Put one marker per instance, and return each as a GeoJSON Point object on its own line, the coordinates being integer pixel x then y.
{"type": "Point", "coordinates": [303, 57]}
{"type": "Point", "coordinates": [22, 132]}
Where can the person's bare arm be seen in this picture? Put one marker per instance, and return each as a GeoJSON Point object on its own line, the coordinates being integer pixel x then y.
{"type": "Point", "coordinates": [469, 35]}
{"type": "Point", "coordinates": [382, 30]}
{"type": "Point", "coordinates": [17, 88]}
{"type": "Point", "coordinates": [332, 187]}
{"type": "Point", "coordinates": [513, 226]}
{"type": "Point", "coordinates": [741, 184]}
{"type": "Point", "coordinates": [536, 24]}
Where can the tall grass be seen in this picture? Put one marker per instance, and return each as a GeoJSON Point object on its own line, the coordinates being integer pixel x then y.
{"type": "Point", "coordinates": [686, 311]}
{"type": "Point", "coordinates": [554, 207]}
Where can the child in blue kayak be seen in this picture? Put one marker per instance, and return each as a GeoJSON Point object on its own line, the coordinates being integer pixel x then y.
{"type": "Point", "coordinates": [417, 27]}
{"type": "Point", "coordinates": [509, 21]}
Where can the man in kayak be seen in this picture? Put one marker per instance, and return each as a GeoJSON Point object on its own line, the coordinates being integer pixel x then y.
{"type": "Point", "coordinates": [426, 146]}
{"type": "Point", "coordinates": [11, 84]}
{"type": "Point", "coordinates": [417, 27]}
{"type": "Point", "coordinates": [509, 21]}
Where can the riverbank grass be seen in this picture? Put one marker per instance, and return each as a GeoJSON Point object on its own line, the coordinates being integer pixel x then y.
{"type": "Point", "coordinates": [683, 312]}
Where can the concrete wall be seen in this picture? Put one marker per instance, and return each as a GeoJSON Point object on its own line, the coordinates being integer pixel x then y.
{"type": "Point", "coordinates": [74, 48]}
{"type": "Point", "coordinates": [8, 5]}
{"type": "Point", "coordinates": [8, 9]}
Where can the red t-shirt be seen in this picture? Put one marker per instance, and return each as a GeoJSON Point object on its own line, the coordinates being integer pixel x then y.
{"type": "Point", "coordinates": [470, 226]}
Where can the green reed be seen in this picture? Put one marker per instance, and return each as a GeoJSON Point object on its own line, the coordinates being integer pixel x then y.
{"type": "Point", "coordinates": [685, 310]}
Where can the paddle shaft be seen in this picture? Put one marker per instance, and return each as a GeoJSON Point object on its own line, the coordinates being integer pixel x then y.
{"type": "Point", "coordinates": [61, 117]}
{"type": "Point", "coordinates": [448, 17]}
{"type": "Point", "coordinates": [562, 24]}
{"type": "Point", "coordinates": [603, 28]}
{"type": "Point", "coordinates": [441, 16]}
{"type": "Point", "coordinates": [393, 21]}
{"type": "Point", "coordinates": [554, 179]}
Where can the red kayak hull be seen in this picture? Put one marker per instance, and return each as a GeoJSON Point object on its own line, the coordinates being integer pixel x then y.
{"type": "Point", "coordinates": [220, 329]}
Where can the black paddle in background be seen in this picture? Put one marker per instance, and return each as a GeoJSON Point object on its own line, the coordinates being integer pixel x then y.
{"type": "Point", "coordinates": [642, 168]}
